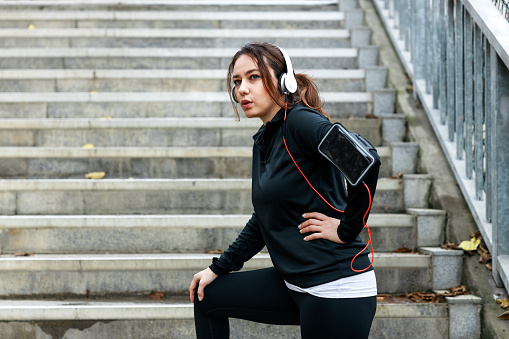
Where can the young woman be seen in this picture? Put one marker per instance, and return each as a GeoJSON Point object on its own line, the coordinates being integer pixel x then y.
{"type": "Point", "coordinates": [315, 283]}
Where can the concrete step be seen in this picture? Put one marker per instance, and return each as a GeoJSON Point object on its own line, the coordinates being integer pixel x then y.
{"type": "Point", "coordinates": [126, 162]}
{"type": "Point", "coordinates": [77, 234]}
{"type": "Point", "coordinates": [170, 104]}
{"type": "Point", "coordinates": [172, 317]}
{"type": "Point", "coordinates": [156, 162]}
{"type": "Point", "coordinates": [176, 58]}
{"type": "Point", "coordinates": [181, 19]}
{"type": "Point", "coordinates": [144, 132]}
{"type": "Point", "coordinates": [127, 274]}
{"type": "Point", "coordinates": [171, 196]}
{"type": "Point", "coordinates": [179, 5]}
{"type": "Point", "coordinates": [165, 132]}
{"type": "Point", "coordinates": [203, 80]}
{"type": "Point", "coordinates": [174, 38]}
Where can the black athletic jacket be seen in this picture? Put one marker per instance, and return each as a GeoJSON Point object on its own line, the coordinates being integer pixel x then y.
{"type": "Point", "coordinates": [281, 195]}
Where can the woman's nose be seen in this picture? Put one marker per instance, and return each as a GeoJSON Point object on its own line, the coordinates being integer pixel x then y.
{"type": "Point", "coordinates": [243, 88]}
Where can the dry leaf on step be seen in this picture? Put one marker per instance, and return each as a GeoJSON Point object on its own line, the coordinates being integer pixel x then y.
{"type": "Point", "coordinates": [404, 250]}
{"type": "Point", "coordinates": [156, 295]}
{"type": "Point", "coordinates": [88, 146]}
{"type": "Point", "coordinates": [470, 245]}
{"type": "Point", "coordinates": [484, 258]}
{"type": "Point", "coordinates": [95, 175]}
{"type": "Point", "coordinates": [31, 27]}
{"type": "Point", "coordinates": [215, 252]}
{"type": "Point", "coordinates": [450, 246]}
{"type": "Point", "coordinates": [503, 303]}
{"type": "Point", "coordinates": [504, 316]}
{"type": "Point", "coordinates": [24, 254]}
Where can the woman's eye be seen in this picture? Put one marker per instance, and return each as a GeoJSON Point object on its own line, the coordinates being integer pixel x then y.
{"type": "Point", "coordinates": [254, 76]}
{"type": "Point", "coordinates": [237, 82]}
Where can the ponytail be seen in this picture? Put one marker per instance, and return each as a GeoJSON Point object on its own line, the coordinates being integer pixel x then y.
{"type": "Point", "coordinates": [307, 94]}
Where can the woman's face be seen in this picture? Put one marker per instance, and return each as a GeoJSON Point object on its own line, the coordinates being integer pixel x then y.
{"type": "Point", "coordinates": [252, 96]}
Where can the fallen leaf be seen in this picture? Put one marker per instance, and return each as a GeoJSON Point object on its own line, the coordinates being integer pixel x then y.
{"type": "Point", "coordinates": [503, 302]}
{"type": "Point", "coordinates": [24, 254]}
{"type": "Point", "coordinates": [31, 27]}
{"type": "Point", "coordinates": [371, 116]}
{"type": "Point", "coordinates": [484, 258]}
{"type": "Point", "coordinates": [450, 246]}
{"type": "Point", "coordinates": [88, 294]}
{"type": "Point", "coordinates": [398, 176]}
{"type": "Point", "coordinates": [95, 175]}
{"type": "Point", "coordinates": [88, 146]}
{"type": "Point", "coordinates": [504, 316]}
{"type": "Point", "coordinates": [215, 252]}
{"type": "Point", "coordinates": [482, 250]}
{"type": "Point", "coordinates": [107, 117]}
{"type": "Point", "coordinates": [404, 250]}
{"type": "Point", "coordinates": [470, 245]}
{"type": "Point", "coordinates": [423, 296]}
{"type": "Point", "coordinates": [156, 295]}
{"type": "Point", "coordinates": [458, 290]}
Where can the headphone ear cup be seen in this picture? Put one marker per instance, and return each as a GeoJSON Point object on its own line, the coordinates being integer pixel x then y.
{"type": "Point", "coordinates": [282, 85]}
{"type": "Point", "coordinates": [233, 95]}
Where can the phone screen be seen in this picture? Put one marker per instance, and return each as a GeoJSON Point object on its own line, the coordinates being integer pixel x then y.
{"type": "Point", "coordinates": [342, 150]}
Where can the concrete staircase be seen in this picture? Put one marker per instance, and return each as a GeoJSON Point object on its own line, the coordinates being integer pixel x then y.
{"type": "Point", "coordinates": [144, 83]}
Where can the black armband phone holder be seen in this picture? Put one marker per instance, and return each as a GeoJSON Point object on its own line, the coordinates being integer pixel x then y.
{"type": "Point", "coordinates": [349, 152]}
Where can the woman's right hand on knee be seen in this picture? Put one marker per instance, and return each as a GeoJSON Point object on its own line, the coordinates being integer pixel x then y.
{"type": "Point", "coordinates": [201, 280]}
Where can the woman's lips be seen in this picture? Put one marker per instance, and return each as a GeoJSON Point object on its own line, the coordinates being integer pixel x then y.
{"type": "Point", "coordinates": [246, 103]}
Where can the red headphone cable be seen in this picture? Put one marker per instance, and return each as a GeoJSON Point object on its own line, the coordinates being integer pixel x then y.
{"type": "Point", "coordinates": [369, 243]}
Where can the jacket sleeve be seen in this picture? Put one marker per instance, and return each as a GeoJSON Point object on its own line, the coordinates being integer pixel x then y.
{"type": "Point", "coordinates": [358, 204]}
{"type": "Point", "coordinates": [248, 243]}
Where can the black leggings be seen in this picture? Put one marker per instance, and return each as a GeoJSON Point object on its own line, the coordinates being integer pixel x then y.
{"type": "Point", "coordinates": [262, 296]}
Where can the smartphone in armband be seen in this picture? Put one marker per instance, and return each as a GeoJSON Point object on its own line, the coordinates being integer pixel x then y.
{"type": "Point", "coordinates": [348, 151]}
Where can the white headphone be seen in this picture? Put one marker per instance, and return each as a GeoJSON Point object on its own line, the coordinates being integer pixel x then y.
{"type": "Point", "coordinates": [287, 81]}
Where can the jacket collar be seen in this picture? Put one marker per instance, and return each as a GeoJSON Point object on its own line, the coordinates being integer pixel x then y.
{"type": "Point", "coordinates": [266, 131]}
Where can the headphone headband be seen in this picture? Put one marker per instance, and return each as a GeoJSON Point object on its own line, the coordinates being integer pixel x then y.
{"type": "Point", "coordinates": [287, 80]}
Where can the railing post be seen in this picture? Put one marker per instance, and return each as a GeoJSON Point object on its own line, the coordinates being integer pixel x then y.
{"type": "Point", "coordinates": [478, 113]}
{"type": "Point", "coordinates": [460, 87]}
{"type": "Point", "coordinates": [500, 157]}
{"type": "Point", "coordinates": [427, 64]}
{"type": "Point", "coordinates": [488, 117]}
{"type": "Point", "coordinates": [469, 94]}
{"type": "Point", "coordinates": [443, 62]}
{"type": "Point", "coordinates": [436, 53]}
{"type": "Point", "coordinates": [419, 41]}
{"type": "Point", "coordinates": [451, 70]}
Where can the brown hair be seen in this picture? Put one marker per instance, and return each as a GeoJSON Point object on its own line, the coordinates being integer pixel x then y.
{"type": "Point", "coordinates": [268, 57]}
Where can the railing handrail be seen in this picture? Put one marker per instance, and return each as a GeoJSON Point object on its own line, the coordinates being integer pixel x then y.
{"type": "Point", "coordinates": [492, 25]}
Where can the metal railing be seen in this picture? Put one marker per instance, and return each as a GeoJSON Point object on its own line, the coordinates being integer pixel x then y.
{"type": "Point", "coordinates": [457, 55]}
{"type": "Point", "coordinates": [503, 7]}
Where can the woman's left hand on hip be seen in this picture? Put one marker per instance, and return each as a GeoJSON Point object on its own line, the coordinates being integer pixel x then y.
{"type": "Point", "coordinates": [321, 226]}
